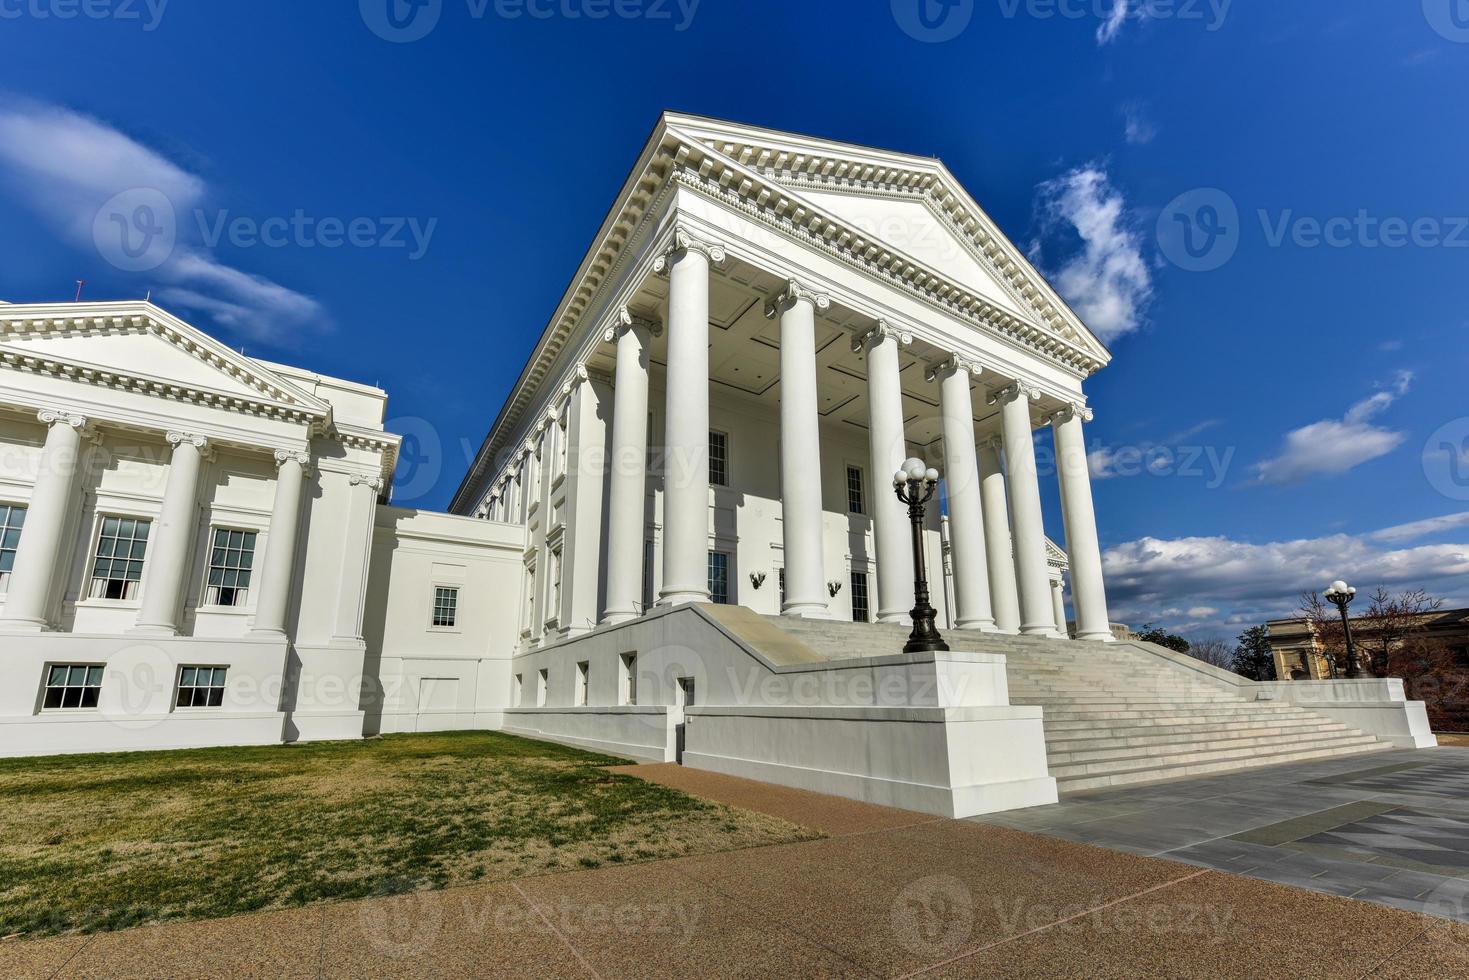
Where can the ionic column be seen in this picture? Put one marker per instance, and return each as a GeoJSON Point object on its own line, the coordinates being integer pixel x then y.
{"type": "Point", "coordinates": [33, 578]}
{"type": "Point", "coordinates": [999, 553]}
{"type": "Point", "coordinates": [173, 539]}
{"type": "Point", "coordinates": [686, 421]}
{"type": "Point", "coordinates": [1058, 603]}
{"type": "Point", "coordinates": [800, 451]}
{"type": "Point", "coordinates": [628, 490]}
{"type": "Point", "coordinates": [273, 581]}
{"type": "Point", "coordinates": [356, 555]}
{"type": "Point", "coordinates": [1036, 615]}
{"type": "Point", "coordinates": [1088, 593]}
{"type": "Point", "coordinates": [961, 487]}
{"type": "Point", "coordinates": [888, 448]}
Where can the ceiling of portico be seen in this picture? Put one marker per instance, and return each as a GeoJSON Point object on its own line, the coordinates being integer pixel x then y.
{"type": "Point", "coordinates": [744, 357]}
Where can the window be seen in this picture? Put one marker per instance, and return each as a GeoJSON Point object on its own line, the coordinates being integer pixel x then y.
{"type": "Point", "coordinates": [561, 440]}
{"type": "Point", "coordinates": [554, 613]}
{"type": "Point", "coordinates": [230, 562]}
{"type": "Point", "coordinates": [647, 575]}
{"type": "Point", "coordinates": [72, 685]}
{"type": "Point", "coordinates": [780, 575]}
{"type": "Point", "coordinates": [583, 674]}
{"type": "Point", "coordinates": [859, 597]}
{"type": "Point", "coordinates": [855, 502]}
{"type": "Point", "coordinates": [628, 688]}
{"type": "Point", "coordinates": [446, 606]}
{"type": "Point", "coordinates": [543, 681]}
{"type": "Point", "coordinates": [200, 687]}
{"type": "Point", "coordinates": [12, 519]}
{"type": "Point", "coordinates": [119, 565]}
{"type": "Point", "coordinates": [518, 691]}
{"type": "Point", "coordinates": [719, 459]}
{"type": "Point", "coordinates": [719, 577]}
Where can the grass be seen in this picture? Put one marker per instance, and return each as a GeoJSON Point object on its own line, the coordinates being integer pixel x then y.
{"type": "Point", "coordinates": [99, 842]}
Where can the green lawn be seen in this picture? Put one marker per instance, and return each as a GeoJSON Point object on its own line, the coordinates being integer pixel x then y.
{"type": "Point", "coordinates": [106, 841]}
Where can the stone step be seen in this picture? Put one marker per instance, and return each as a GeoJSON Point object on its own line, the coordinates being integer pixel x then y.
{"type": "Point", "coordinates": [1128, 700]}
{"type": "Point", "coordinates": [1064, 739]}
{"type": "Point", "coordinates": [1163, 714]}
{"type": "Point", "coordinates": [1202, 755]}
{"type": "Point", "coordinates": [1105, 750]}
{"type": "Point", "coordinates": [1156, 773]}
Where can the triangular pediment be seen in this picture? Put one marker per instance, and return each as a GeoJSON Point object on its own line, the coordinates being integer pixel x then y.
{"type": "Point", "coordinates": [140, 346]}
{"type": "Point", "coordinates": [911, 204]}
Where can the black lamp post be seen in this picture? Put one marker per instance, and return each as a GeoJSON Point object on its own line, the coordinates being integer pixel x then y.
{"type": "Point", "coordinates": [1341, 595]}
{"type": "Point", "coordinates": [915, 484]}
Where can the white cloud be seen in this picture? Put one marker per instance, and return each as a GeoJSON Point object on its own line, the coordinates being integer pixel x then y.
{"type": "Point", "coordinates": [1112, 25]}
{"type": "Point", "coordinates": [67, 166]}
{"type": "Point", "coordinates": [1334, 446]}
{"type": "Point", "coordinates": [1137, 127]}
{"type": "Point", "coordinates": [1246, 583]}
{"type": "Point", "coordinates": [1107, 282]}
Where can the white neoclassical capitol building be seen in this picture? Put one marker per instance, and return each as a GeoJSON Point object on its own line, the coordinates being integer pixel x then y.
{"type": "Point", "coordinates": [679, 540]}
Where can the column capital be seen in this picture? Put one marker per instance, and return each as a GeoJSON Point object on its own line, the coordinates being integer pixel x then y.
{"type": "Point", "coordinates": [1075, 410]}
{"type": "Point", "coordinates": [61, 416]}
{"type": "Point", "coordinates": [624, 320]}
{"type": "Point", "coordinates": [954, 363]}
{"type": "Point", "coordinates": [795, 292]}
{"type": "Point", "coordinates": [578, 375]}
{"type": "Point", "coordinates": [993, 443]}
{"type": "Point", "coordinates": [684, 241]}
{"type": "Point", "coordinates": [1018, 389]}
{"type": "Point", "coordinates": [373, 483]}
{"type": "Point", "coordinates": [880, 331]}
{"type": "Point", "coordinates": [283, 456]}
{"type": "Point", "coordinates": [177, 438]}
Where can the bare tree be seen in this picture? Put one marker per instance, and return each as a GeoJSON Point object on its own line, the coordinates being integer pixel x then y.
{"type": "Point", "coordinates": [1389, 623]}
{"type": "Point", "coordinates": [1324, 621]}
{"type": "Point", "coordinates": [1213, 651]}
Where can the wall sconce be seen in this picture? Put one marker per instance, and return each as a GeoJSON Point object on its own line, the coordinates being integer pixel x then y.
{"type": "Point", "coordinates": [757, 579]}
{"type": "Point", "coordinates": [833, 587]}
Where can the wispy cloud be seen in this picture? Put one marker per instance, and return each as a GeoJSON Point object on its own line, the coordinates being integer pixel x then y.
{"type": "Point", "coordinates": [1112, 24]}
{"type": "Point", "coordinates": [1138, 128]}
{"type": "Point", "coordinates": [1247, 583]}
{"type": "Point", "coordinates": [1107, 280]}
{"type": "Point", "coordinates": [68, 166]}
{"type": "Point", "coordinates": [1333, 446]}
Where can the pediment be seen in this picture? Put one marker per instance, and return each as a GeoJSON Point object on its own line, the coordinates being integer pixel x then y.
{"type": "Point", "coordinates": [911, 204]}
{"type": "Point", "coordinates": [142, 347]}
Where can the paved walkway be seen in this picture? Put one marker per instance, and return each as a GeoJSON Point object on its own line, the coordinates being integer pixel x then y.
{"type": "Point", "coordinates": [1391, 828]}
{"type": "Point", "coordinates": [889, 894]}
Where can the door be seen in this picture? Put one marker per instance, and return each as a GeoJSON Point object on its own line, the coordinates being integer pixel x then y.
{"type": "Point", "coordinates": [685, 699]}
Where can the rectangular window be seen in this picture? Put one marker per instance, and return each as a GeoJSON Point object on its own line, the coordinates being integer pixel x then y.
{"type": "Point", "coordinates": [230, 562]}
{"type": "Point", "coordinates": [12, 519]}
{"type": "Point", "coordinates": [628, 688]}
{"type": "Point", "coordinates": [780, 577]}
{"type": "Point", "coordinates": [554, 613]}
{"type": "Point", "coordinates": [200, 687]}
{"type": "Point", "coordinates": [719, 459]}
{"type": "Point", "coordinates": [446, 606]}
{"type": "Point", "coordinates": [119, 565]}
{"type": "Point", "coordinates": [72, 685]}
{"type": "Point", "coordinates": [583, 678]}
{"type": "Point", "coordinates": [543, 681]}
{"type": "Point", "coordinates": [647, 575]}
{"type": "Point", "coordinates": [719, 577]}
{"type": "Point", "coordinates": [855, 502]}
{"type": "Point", "coordinates": [859, 597]}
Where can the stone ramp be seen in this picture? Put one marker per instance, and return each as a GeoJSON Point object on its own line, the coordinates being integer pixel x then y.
{"type": "Point", "coordinates": [1116, 714]}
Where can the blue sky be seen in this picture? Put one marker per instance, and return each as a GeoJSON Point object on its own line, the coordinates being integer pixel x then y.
{"type": "Point", "coordinates": [1286, 401]}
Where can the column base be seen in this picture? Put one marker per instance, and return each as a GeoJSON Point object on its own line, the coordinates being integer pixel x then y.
{"type": "Point", "coordinates": [152, 629]}
{"type": "Point", "coordinates": [610, 618]}
{"type": "Point", "coordinates": [894, 618]}
{"type": "Point", "coordinates": [806, 610]}
{"type": "Point", "coordinates": [1097, 637]}
{"type": "Point", "coordinates": [683, 598]}
{"type": "Point", "coordinates": [1046, 631]}
{"type": "Point", "coordinates": [978, 626]}
{"type": "Point", "coordinates": [23, 626]}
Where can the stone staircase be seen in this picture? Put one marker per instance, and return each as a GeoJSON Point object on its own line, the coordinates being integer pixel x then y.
{"type": "Point", "coordinates": [1117, 714]}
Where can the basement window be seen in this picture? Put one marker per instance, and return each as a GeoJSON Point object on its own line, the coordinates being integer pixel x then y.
{"type": "Point", "coordinates": [201, 687]}
{"type": "Point", "coordinates": [72, 686]}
